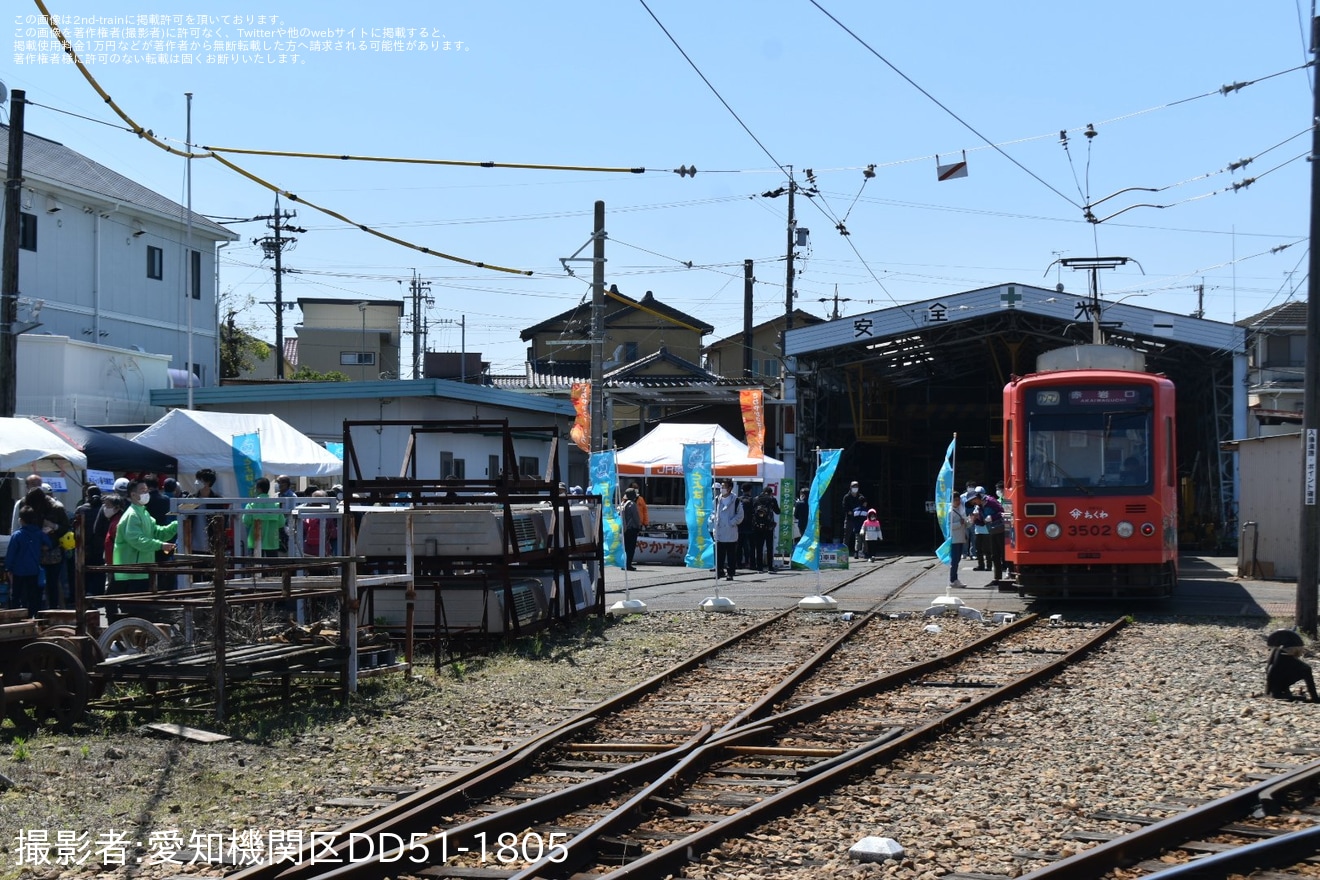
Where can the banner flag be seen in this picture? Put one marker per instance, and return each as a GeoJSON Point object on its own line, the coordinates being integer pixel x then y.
{"type": "Point", "coordinates": [698, 479]}
{"type": "Point", "coordinates": [943, 492]}
{"type": "Point", "coordinates": [951, 170]}
{"type": "Point", "coordinates": [752, 404]}
{"type": "Point", "coordinates": [335, 449]}
{"type": "Point", "coordinates": [807, 552]}
{"type": "Point", "coordinates": [605, 483]}
{"type": "Point", "coordinates": [787, 498]}
{"type": "Point", "coordinates": [580, 433]}
{"type": "Point", "coordinates": [247, 462]}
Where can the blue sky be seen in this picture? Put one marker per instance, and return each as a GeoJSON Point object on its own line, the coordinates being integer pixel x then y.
{"type": "Point", "coordinates": [600, 84]}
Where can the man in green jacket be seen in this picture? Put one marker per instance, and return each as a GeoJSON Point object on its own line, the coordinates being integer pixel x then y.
{"type": "Point", "coordinates": [264, 523]}
{"type": "Point", "coordinates": [137, 538]}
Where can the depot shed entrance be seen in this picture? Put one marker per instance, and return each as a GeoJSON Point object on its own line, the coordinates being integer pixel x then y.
{"type": "Point", "coordinates": [891, 387]}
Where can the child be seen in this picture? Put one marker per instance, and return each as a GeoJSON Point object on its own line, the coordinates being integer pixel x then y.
{"type": "Point", "coordinates": [23, 561]}
{"type": "Point", "coordinates": [872, 534]}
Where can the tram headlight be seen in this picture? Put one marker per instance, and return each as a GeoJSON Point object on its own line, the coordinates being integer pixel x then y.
{"type": "Point", "coordinates": [1030, 530]}
{"type": "Point", "coordinates": [1053, 530]}
{"type": "Point", "coordinates": [1147, 529]}
{"type": "Point", "coordinates": [1125, 529]}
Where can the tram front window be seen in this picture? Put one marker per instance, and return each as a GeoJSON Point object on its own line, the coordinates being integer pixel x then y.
{"type": "Point", "coordinates": [1087, 451]}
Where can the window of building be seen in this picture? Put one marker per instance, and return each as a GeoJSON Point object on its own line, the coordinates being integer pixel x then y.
{"type": "Point", "coordinates": [155, 262]}
{"type": "Point", "coordinates": [357, 358]}
{"type": "Point", "coordinates": [446, 464]}
{"type": "Point", "coordinates": [1285, 351]}
{"type": "Point", "coordinates": [493, 466]}
{"type": "Point", "coordinates": [529, 466]}
{"type": "Point", "coordinates": [27, 231]}
{"type": "Point", "coordinates": [195, 262]}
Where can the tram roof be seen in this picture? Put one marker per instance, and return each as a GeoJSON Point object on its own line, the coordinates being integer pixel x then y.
{"type": "Point", "coordinates": [917, 333]}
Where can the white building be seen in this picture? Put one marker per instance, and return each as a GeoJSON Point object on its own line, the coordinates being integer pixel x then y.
{"type": "Point", "coordinates": [112, 265]}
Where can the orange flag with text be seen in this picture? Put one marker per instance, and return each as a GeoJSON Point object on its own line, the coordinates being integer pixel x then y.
{"type": "Point", "coordinates": [752, 404]}
{"type": "Point", "coordinates": [581, 431]}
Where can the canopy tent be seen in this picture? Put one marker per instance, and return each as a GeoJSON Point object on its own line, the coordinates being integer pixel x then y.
{"type": "Point", "coordinates": [109, 452]}
{"type": "Point", "coordinates": [206, 440]}
{"type": "Point", "coordinates": [659, 453]}
{"type": "Point", "coordinates": [25, 445]}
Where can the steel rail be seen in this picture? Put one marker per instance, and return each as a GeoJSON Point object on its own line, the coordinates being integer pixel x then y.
{"type": "Point", "coordinates": [418, 807]}
{"type": "Point", "coordinates": [1274, 852]}
{"type": "Point", "coordinates": [579, 851]}
{"type": "Point", "coordinates": [672, 858]}
{"type": "Point", "coordinates": [1169, 833]}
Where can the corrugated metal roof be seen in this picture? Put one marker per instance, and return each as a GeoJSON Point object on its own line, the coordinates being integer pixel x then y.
{"type": "Point", "coordinates": [57, 165]}
{"type": "Point", "coordinates": [302, 391]}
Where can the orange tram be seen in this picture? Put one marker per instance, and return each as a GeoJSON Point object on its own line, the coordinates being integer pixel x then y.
{"type": "Point", "coordinates": [1090, 476]}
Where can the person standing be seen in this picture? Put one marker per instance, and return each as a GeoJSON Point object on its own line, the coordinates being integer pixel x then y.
{"type": "Point", "coordinates": [765, 519]}
{"type": "Point", "coordinates": [23, 561]}
{"type": "Point", "coordinates": [872, 533]}
{"type": "Point", "coordinates": [802, 512]}
{"type": "Point", "coordinates": [138, 538]}
{"type": "Point", "coordinates": [992, 514]}
{"type": "Point", "coordinates": [86, 517]}
{"type": "Point", "coordinates": [54, 522]}
{"type": "Point", "coordinates": [30, 482]}
{"type": "Point", "coordinates": [957, 521]}
{"type": "Point", "coordinates": [854, 513]}
{"type": "Point", "coordinates": [980, 532]}
{"type": "Point", "coordinates": [641, 505]}
{"type": "Point", "coordinates": [284, 487]}
{"type": "Point", "coordinates": [630, 515]}
{"type": "Point", "coordinates": [263, 522]}
{"type": "Point", "coordinates": [723, 526]}
{"type": "Point", "coordinates": [746, 530]}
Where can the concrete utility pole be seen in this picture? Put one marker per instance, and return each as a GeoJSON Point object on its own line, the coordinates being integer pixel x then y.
{"type": "Point", "coordinates": [421, 294]}
{"type": "Point", "coordinates": [748, 281]}
{"type": "Point", "coordinates": [1308, 569]}
{"type": "Point", "coordinates": [273, 246]}
{"type": "Point", "coordinates": [9, 274]}
{"type": "Point", "coordinates": [598, 330]}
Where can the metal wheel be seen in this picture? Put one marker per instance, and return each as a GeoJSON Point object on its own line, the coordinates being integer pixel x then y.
{"type": "Point", "coordinates": [63, 683]}
{"type": "Point", "coordinates": [131, 635]}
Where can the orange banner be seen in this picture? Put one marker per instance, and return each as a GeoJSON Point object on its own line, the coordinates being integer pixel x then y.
{"type": "Point", "coordinates": [581, 432]}
{"type": "Point", "coordinates": [752, 404]}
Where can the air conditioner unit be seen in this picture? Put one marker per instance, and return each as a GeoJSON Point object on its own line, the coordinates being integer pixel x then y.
{"type": "Point", "coordinates": [454, 531]}
{"type": "Point", "coordinates": [470, 605]}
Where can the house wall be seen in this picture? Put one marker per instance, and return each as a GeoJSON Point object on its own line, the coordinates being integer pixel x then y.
{"type": "Point", "coordinates": [328, 330]}
{"type": "Point", "coordinates": [90, 384]}
{"type": "Point", "coordinates": [90, 272]}
{"type": "Point", "coordinates": [1270, 469]}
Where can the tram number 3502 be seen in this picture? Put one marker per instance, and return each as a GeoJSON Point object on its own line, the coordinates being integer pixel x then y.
{"type": "Point", "coordinates": [1082, 529]}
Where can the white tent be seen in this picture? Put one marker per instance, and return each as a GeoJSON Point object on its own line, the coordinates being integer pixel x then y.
{"type": "Point", "coordinates": [206, 440]}
{"type": "Point", "coordinates": [25, 445]}
{"type": "Point", "coordinates": [659, 453]}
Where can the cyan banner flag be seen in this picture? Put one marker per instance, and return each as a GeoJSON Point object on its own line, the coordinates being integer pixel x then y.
{"type": "Point", "coordinates": [604, 482]}
{"type": "Point", "coordinates": [698, 464]}
{"type": "Point", "coordinates": [335, 449]}
{"type": "Point", "coordinates": [807, 551]}
{"type": "Point", "coordinates": [943, 492]}
{"type": "Point", "coordinates": [247, 462]}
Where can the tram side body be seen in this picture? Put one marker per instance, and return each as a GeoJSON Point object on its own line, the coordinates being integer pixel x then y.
{"type": "Point", "coordinates": [1090, 481]}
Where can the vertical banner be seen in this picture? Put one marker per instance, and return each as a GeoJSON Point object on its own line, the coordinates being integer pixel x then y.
{"type": "Point", "coordinates": [247, 462]}
{"type": "Point", "coordinates": [698, 478]}
{"type": "Point", "coordinates": [943, 492]}
{"type": "Point", "coordinates": [605, 483]}
{"type": "Point", "coordinates": [787, 498]}
{"type": "Point", "coordinates": [752, 404]}
{"type": "Point", "coordinates": [807, 552]}
{"type": "Point", "coordinates": [581, 430]}
{"type": "Point", "coordinates": [335, 449]}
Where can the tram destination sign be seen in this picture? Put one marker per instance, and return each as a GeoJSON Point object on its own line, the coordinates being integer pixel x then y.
{"type": "Point", "coordinates": [1105, 397]}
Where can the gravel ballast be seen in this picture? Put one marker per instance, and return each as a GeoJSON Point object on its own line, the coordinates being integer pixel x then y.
{"type": "Point", "coordinates": [1167, 712]}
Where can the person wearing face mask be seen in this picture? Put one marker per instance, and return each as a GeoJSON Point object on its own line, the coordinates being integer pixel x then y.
{"type": "Point", "coordinates": [196, 538]}
{"type": "Point", "coordinates": [724, 520]}
{"type": "Point", "coordinates": [854, 514]}
{"type": "Point", "coordinates": [263, 521]}
{"type": "Point", "coordinates": [138, 538]}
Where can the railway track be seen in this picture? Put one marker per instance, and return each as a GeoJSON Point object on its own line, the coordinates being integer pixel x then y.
{"type": "Point", "coordinates": [722, 686]}
{"type": "Point", "coordinates": [1269, 831]}
{"type": "Point", "coordinates": [647, 807]}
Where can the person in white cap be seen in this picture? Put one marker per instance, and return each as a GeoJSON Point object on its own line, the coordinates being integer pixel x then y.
{"type": "Point", "coordinates": [33, 481]}
{"type": "Point", "coordinates": [854, 514]}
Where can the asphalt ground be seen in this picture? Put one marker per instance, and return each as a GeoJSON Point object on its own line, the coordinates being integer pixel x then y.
{"type": "Point", "coordinates": [1208, 587]}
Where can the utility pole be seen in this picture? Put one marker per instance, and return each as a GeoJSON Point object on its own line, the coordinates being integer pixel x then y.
{"type": "Point", "coordinates": [836, 301]}
{"type": "Point", "coordinates": [9, 273]}
{"type": "Point", "coordinates": [748, 281]}
{"type": "Point", "coordinates": [421, 293]}
{"type": "Point", "coordinates": [273, 246]}
{"type": "Point", "coordinates": [1308, 569]}
{"type": "Point", "coordinates": [1200, 300]}
{"type": "Point", "coordinates": [598, 329]}
{"type": "Point", "coordinates": [462, 344]}
{"type": "Point", "coordinates": [788, 261]}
